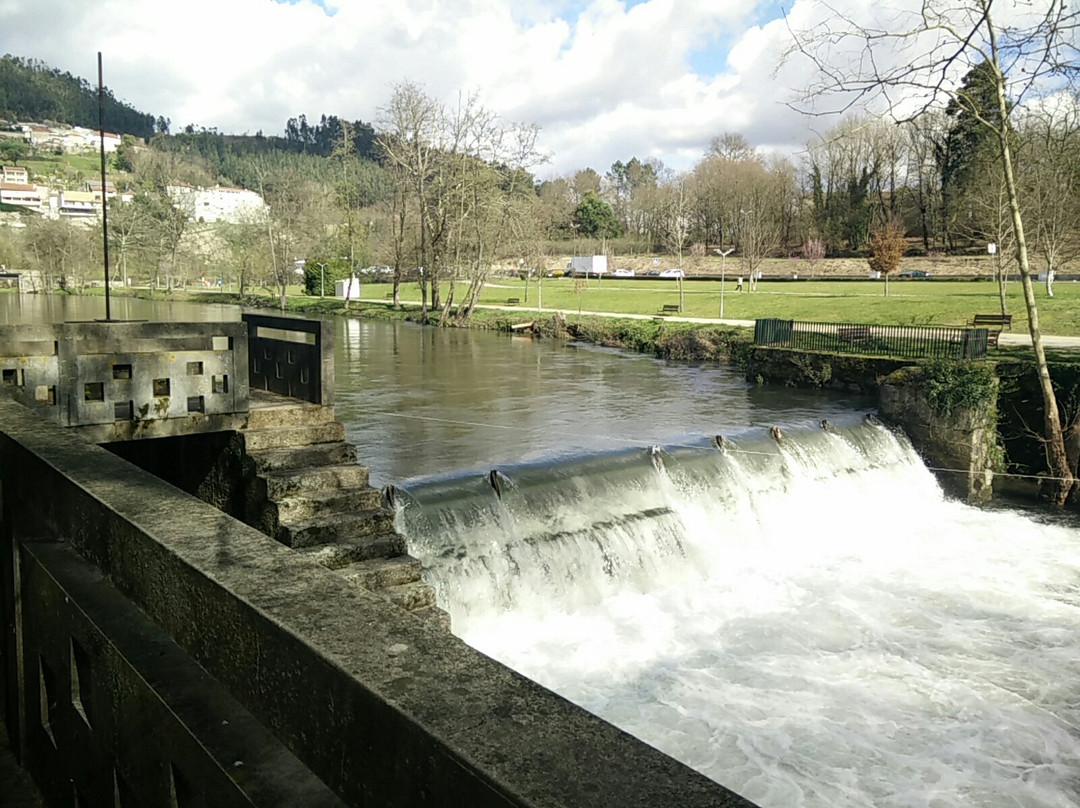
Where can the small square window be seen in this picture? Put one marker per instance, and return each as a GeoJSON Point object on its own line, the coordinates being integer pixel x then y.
{"type": "Point", "coordinates": [196, 404]}
{"type": "Point", "coordinates": [123, 410]}
{"type": "Point", "coordinates": [220, 343]}
{"type": "Point", "coordinates": [45, 395]}
{"type": "Point", "coordinates": [161, 387]}
{"type": "Point", "coordinates": [13, 377]}
{"type": "Point", "coordinates": [194, 369]}
{"type": "Point", "coordinates": [94, 391]}
{"type": "Point", "coordinates": [121, 372]}
{"type": "Point", "coordinates": [220, 384]}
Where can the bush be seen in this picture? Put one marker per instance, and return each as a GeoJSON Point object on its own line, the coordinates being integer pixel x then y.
{"type": "Point", "coordinates": [951, 386]}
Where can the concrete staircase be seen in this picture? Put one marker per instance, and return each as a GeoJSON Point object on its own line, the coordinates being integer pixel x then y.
{"type": "Point", "coordinates": [305, 489]}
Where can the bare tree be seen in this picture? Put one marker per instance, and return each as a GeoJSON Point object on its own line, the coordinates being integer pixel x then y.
{"type": "Point", "coordinates": [813, 252]}
{"type": "Point", "coordinates": [913, 61]}
{"type": "Point", "coordinates": [1050, 182]}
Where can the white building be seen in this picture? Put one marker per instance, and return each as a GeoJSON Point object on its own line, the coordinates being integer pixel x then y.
{"type": "Point", "coordinates": [219, 203]}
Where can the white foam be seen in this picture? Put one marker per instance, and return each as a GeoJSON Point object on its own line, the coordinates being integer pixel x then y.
{"type": "Point", "coordinates": [848, 637]}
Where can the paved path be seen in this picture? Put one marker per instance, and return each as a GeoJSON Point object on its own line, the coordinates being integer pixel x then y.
{"type": "Point", "coordinates": [1020, 338]}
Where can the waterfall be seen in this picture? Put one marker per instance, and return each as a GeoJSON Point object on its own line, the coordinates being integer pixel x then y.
{"type": "Point", "coordinates": [808, 620]}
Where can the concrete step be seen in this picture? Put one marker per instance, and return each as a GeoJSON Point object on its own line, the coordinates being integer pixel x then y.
{"type": "Point", "coordinates": [282, 437]}
{"type": "Point", "coordinates": [318, 503]}
{"type": "Point", "coordinates": [410, 597]}
{"type": "Point", "coordinates": [303, 457]}
{"type": "Point", "coordinates": [291, 414]}
{"type": "Point", "coordinates": [337, 527]}
{"type": "Point", "coordinates": [280, 484]}
{"type": "Point", "coordinates": [379, 573]}
{"type": "Point", "coordinates": [341, 554]}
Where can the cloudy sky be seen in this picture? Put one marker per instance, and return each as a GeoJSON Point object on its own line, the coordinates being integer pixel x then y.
{"type": "Point", "coordinates": [604, 79]}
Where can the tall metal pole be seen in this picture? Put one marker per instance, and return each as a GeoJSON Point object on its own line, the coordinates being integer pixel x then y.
{"type": "Point", "coordinates": [104, 215]}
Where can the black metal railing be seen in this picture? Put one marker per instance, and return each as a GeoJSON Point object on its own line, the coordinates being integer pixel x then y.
{"type": "Point", "coordinates": [291, 357]}
{"type": "Point", "coordinates": [903, 341]}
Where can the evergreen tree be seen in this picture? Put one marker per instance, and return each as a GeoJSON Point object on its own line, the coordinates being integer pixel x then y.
{"type": "Point", "coordinates": [594, 218]}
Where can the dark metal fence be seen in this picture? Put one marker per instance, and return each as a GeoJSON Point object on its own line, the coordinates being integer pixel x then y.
{"type": "Point", "coordinates": [905, 341]}
{"type": "Point", "coordinates": [291, 357]}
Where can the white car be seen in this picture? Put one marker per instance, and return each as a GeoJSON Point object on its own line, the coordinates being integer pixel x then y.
{"type": "Point", "coordinates": [672, 273]}
{"type": "Point", "coordinates": [623, 273]}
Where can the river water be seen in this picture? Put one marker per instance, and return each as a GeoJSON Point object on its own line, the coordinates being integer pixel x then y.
{"type": "Point", "coordinates": [810, 623]}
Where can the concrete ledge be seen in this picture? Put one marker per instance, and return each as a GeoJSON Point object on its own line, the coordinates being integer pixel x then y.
{"type": "Point", "coordinates": [383, 707]}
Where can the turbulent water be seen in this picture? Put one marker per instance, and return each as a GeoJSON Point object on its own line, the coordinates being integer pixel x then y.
{"type": "Point", "coordinates": [810, 623]}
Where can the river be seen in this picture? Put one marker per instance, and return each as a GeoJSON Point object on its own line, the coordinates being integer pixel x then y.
{"type": "Point", "coordinates": [810, 622]}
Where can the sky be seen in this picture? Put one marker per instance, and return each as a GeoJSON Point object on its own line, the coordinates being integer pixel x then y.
{"type": "Point", "coordinates": [605, 80]}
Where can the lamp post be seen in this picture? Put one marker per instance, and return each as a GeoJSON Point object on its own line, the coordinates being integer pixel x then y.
{"type": "Point", "coordinates": [723, 274]}
{"type": "Point", "coordinates": [322, 278]}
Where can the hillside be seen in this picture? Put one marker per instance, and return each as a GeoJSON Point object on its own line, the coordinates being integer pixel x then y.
{"type": "Point", "coordinates": [30, 90]}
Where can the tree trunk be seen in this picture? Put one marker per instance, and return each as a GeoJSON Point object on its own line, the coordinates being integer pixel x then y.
{"type": "Point", "coordinates": [1062, 479]}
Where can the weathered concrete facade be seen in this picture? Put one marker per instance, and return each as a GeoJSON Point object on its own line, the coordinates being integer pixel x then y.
{"type": "Point", "coordinates": [118, 381]}
{"type": "Point", "coordinates": [335, 695]}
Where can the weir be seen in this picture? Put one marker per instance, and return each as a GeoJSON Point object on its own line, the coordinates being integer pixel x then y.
{"type": "Point", "coordinates": [810, 621]}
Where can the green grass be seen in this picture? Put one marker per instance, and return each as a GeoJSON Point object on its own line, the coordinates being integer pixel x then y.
{"type": "Point", "coordinates": [915, 302]}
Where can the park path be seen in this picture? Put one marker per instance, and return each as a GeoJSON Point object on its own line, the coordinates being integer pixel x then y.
{"type": "Point", "coordinates": [1018, 339]}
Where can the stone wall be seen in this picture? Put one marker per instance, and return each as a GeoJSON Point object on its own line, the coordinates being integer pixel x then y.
{"type": "Point", "coordinates": [960, 447]}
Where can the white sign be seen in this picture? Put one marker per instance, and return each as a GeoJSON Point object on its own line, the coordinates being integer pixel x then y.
{"type": "Point", "coordinates": [991, 248]}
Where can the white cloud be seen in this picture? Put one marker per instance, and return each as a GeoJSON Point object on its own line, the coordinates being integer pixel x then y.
{"type": "Point", "coordinates": [606, 79]}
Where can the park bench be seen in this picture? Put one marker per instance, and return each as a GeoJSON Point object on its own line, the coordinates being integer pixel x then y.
{"type": "Point", "coordinates": [853, 334]}
{"type": "Point", "coordinates": [669, 308]}
{"type": "Point", "coordinates": [993, 323]}
{"type": "Point", "coordinates": [389, 295]}
{"type": "Point", "coordinates": [512, 301]}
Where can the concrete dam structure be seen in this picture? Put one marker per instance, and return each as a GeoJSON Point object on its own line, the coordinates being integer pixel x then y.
{"type": "Point", "coordinates": [216, 609]}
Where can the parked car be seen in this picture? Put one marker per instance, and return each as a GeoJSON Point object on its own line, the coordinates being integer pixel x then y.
{"type": "Point", "coordinates": [653, 273]}
{"type": "Point", "coordinates": [623, 273]}
{"type": "Point", "coordinates": [914, 273]}
{"type": "Point", "coordinates": [672, 273]}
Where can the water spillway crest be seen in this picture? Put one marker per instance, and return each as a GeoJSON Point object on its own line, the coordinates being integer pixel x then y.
{"type": "Point", "coordinates": [556, 536]}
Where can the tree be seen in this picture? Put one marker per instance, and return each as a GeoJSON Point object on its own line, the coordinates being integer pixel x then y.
{"type": "Point", "coordinates": [1031, 54]}
{"type": "Point", "coordinates": [813, 252]}
{"type": "Point", "coordinates": [13, 150]}
{"type": "Point", "coordinates": [594, 218]}
{"type": "Point", "coordinates": [885, 249]}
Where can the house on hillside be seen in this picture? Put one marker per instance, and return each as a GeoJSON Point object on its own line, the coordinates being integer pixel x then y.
{"type": "Point", "coordinates": [94, 187]}
{"type": "Point", "coordinates": [23, 195]}
{"type": "Point", "coordinates": [78, 204]}
{"type": "Point", "coordinates": [16, 174]}
{"type": "Point", "coordinates": [219, 203]}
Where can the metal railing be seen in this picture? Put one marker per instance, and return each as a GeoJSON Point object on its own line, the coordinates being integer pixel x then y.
{"type": "Point", "coordinates": [291, 357]}
{"type": "Point", "coordinates": [903, 341]}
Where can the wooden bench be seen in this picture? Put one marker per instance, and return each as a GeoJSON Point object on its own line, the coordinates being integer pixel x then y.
{"type": "Point", "coordinates": [853, 334]}
{"type": "Point", "coordinates": [512, 301]}
{"type": "Point", "coordinates": [389, 295]}
{"type": "Point", "coordinates": [998, 321]}
{"type": "Point", "coordinates": [670, 308]}
{"type": "Point", "coordinates": [993, 323]}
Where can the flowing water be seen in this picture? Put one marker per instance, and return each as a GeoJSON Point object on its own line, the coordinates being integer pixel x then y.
{"type": "Point", "coordinates": [809, 622]}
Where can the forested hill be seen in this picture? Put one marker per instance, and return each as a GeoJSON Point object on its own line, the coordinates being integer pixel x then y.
{"type": "Point", "coordinates": [30, 90]}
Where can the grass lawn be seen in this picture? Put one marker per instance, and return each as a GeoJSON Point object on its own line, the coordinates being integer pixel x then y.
{"type": "Point", "coordinates": [910, 302]}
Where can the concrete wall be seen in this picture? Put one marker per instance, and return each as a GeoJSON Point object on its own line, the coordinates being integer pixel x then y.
{"type": "Point", "coordinates": [383, 708]}
{"type": "Point", "coordinates": [123, 380]}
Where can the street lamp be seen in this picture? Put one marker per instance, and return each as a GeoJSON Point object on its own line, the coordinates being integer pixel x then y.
{"type": "Point", "coordinates": [723, 272]}
{"type": "Point", "coordinates": [322, 278]}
